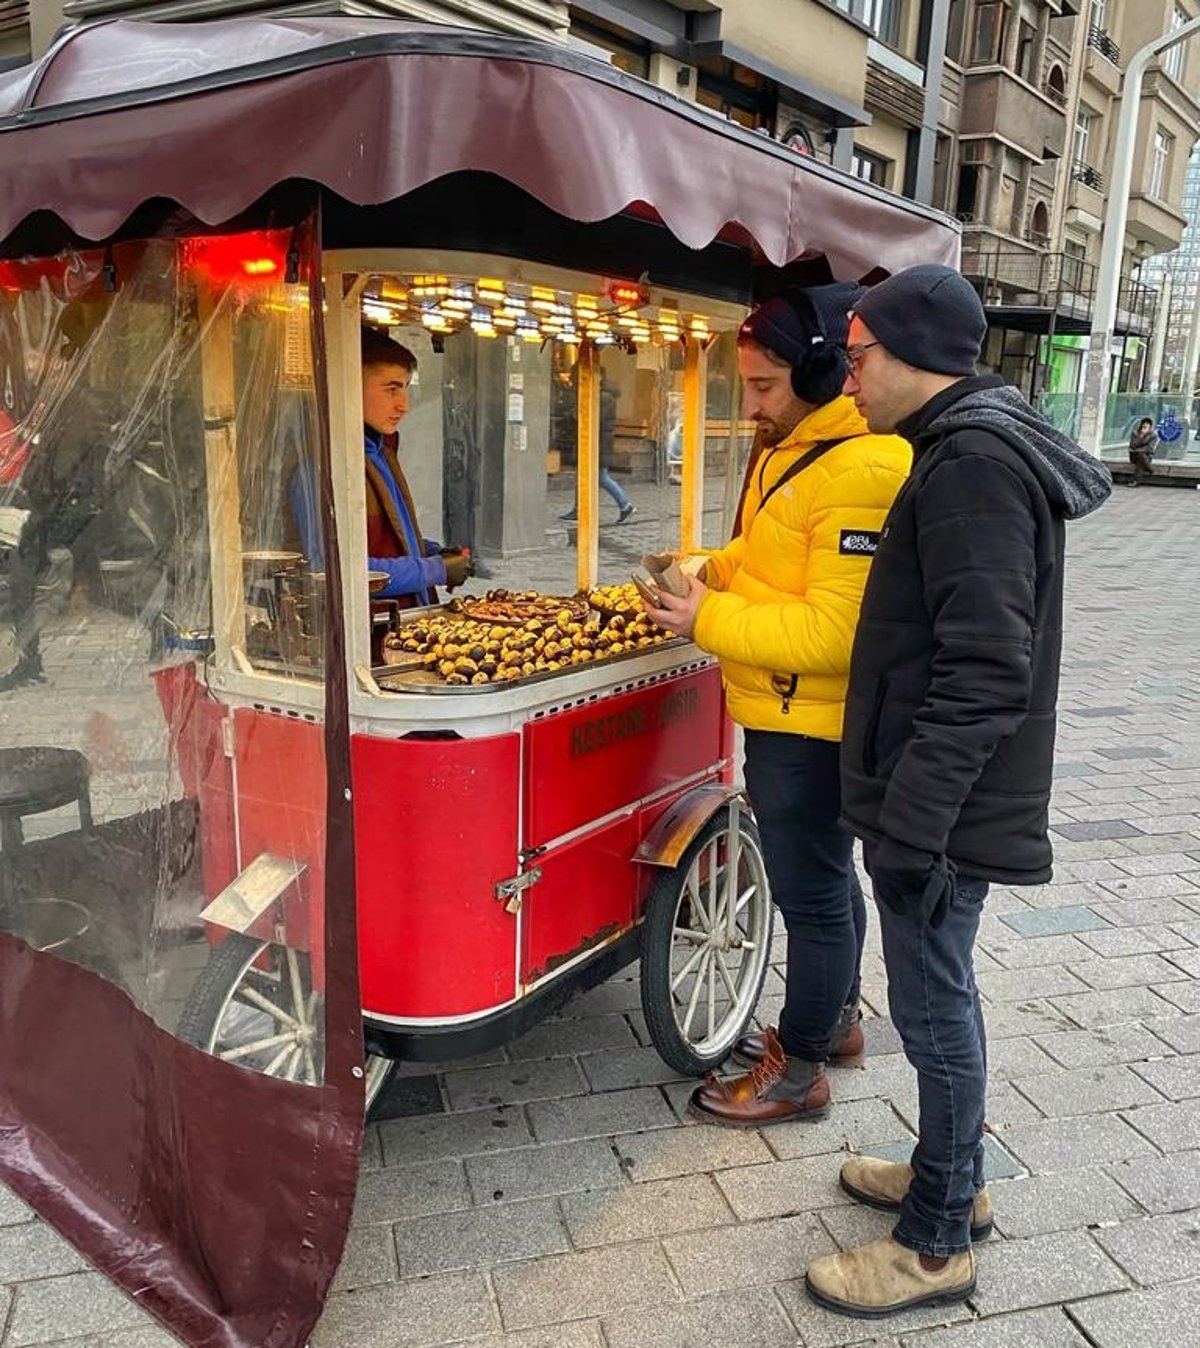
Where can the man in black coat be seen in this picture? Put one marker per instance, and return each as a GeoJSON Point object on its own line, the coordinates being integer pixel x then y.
{"type": "Point", "coordinates": [948, 743]}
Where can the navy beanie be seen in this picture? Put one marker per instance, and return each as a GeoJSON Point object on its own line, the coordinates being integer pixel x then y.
{"type": "Point", "coordinates": [788, 324]}
{"type": "Point", "coordinates": [927, 316]}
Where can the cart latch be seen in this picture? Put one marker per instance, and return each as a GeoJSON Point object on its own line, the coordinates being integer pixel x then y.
{"type": "Point", "coordinates": [509, 891]}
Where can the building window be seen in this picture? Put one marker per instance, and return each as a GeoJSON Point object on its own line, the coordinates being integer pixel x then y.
{"type": "Point", "coordinates": [1083, 131]}
{"type": "Point", "coordinates": [1175, 58]}
{"type": "Point", "coordinates": [987, 44]}
{"type": "Point", "coordinates": [882, 17]}
{"type": "Point", "coordinates": [955, 25]}
{"type": "Point", "coordinates": [1098, 15]}
{"type": "Point", "coordinates": [871, 168]}
{"type": "Point", "coordinates": [1160, 169]}
{"type": "Point", "coordinates": [966, 202]}
{"type": "Point", "coordinates": [1073, 265]}
{"type": "Point", "coordinates": [624, 52]}
{"type": "Point", "coordinates": [1026, 41]}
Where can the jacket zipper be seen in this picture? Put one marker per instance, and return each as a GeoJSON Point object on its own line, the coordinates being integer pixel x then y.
{"type": "Point", "coordinates": [786, 693]}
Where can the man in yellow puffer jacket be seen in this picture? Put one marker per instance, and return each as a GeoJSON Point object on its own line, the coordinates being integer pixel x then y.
{"type": "Point", "coordinates": [779, 606]}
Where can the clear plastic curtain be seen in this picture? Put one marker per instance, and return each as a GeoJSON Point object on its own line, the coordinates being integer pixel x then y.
{"type": "Point", "coordinates": [157, 401]}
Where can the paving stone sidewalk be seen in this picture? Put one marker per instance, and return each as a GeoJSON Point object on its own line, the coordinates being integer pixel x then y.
{"type": "Point", "coordinates": [561, 1198]}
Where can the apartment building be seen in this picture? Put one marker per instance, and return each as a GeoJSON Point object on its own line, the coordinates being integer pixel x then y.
{"type": "Point", "coordinates": [1002, 112]}
{"type": "Point", "coordinates": [1175, 353]}
{"type": "Point", "coordinates": [854, 82]}
{"type": "Point", "coordinates": [1032, 225]}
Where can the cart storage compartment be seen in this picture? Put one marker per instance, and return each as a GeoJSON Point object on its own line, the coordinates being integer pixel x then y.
{"type": "Point", "coordinates": [435, 832]}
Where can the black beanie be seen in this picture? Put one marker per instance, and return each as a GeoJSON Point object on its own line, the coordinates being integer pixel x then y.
{"type": "Point", "coordinates": [927, 316]}
{"type": "Point", "coordinates": [789, 324]}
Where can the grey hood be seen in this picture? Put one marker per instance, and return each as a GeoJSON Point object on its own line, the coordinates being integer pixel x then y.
{"type": "Point", "coordinates": [1075, 481]}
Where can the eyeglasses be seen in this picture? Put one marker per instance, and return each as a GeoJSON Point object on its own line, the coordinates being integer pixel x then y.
{"type": "Point", "coordinates": [855, 354]}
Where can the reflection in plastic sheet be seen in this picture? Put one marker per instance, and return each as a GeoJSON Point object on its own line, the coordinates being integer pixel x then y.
{"type": "Point", "coordinates": [125, 480]}
{"type": "Point", "coordinates": [156, 399]}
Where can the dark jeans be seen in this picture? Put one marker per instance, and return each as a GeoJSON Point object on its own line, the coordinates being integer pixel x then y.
{"type": "Point", "coordinates": [1142, 466]}
{"type": "Point", "coordinates": [935, 1007]}
{"type": "Point", "coordinates": [795, 790]}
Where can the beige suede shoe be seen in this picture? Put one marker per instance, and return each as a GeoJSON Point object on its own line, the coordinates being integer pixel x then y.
{"type": "Point", "coordinates": [884, 1278]}
{"type": "Point", "coordinates": [883, 1184]}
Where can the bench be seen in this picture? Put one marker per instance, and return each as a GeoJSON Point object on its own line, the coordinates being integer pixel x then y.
{"type": "Point", "coordinates": [1167, 472]}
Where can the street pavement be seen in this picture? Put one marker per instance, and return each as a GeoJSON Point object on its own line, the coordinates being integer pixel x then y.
{"type": "Point", "coordinates": [558, 1196]}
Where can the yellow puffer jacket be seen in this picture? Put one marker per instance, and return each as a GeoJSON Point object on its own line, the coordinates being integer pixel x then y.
{"type": "Point", "coordinates": [784, 595]}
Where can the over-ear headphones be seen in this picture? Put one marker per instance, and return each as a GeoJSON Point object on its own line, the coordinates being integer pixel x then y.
{"type": "Point", "coordinates": [792, 326]}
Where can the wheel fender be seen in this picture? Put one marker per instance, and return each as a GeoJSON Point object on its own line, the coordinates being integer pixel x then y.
{"type": "Point", "coordinates": [673, 831]}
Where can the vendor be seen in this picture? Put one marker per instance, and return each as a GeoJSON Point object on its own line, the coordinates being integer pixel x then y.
{"type": "Point", "coordinates": [414, 565]}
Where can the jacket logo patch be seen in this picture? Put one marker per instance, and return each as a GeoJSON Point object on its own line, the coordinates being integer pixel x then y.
{"type": "Point", "coordinates": [858, 543]}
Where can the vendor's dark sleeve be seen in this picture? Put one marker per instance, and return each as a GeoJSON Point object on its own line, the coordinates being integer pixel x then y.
{"type": "Point", "coordinates": [976, 538]}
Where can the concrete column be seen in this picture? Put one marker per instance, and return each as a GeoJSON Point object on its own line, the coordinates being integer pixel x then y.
{"type": "Point", "coordinates": [843, 147]}
{"type": "Point", "coordinates": [934, 62]}
{"type": "Point", "coordinates": [45, 19]}
{"type": "Point", "coordinates": [1163, 313]}
{"type": "Point", "coordinates": [1193, 355]}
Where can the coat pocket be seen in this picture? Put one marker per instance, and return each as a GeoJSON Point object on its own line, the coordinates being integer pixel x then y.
{"type": "Point", "coordinates": [870, 754]}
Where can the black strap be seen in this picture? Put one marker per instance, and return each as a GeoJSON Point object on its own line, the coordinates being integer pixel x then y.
{"type": "Point", "coordinates": [821, 447]}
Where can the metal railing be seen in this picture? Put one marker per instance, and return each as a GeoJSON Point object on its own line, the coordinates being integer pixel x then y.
{"type": "Point", "coordinates": [1087, 175]}
{"type": "Point", "coordinates": [1005, 273]}
{"type": "Point", "coordinates": [1100, 41]}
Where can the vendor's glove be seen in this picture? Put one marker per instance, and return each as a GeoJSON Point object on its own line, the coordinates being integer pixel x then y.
{"type": "Point", "coordinates": [912, 882]}
{"type": "Point", "coordinates": [458, 569]}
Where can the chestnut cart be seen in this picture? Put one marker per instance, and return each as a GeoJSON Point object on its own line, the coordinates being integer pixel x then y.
{"type": "Point", "coordinates": [540, 782]}
{"type": "Point", "coordinates": [268, 829]}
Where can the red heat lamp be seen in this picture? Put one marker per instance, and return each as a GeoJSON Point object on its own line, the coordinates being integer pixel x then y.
{"type": "Point", "coordinates": [628, 294]}
{"type": "Point", "coordinates": [260, 255]}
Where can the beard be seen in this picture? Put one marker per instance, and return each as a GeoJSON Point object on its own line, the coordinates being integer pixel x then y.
{"type": "Point", "coordinates": [772, 432]}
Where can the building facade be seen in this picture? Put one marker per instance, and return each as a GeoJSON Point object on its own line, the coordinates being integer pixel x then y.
{"type": "Point", "coordinates": [1175, 354]}
{"type": "Point", "coordinates": [1002, 112]}
{"type": "Point", "coordinates": [1032, 227]}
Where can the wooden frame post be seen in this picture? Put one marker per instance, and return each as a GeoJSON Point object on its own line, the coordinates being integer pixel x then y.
{"type": "Point", "coordinates": [587, 462]}
{"type": "Point", "coordinates": [223, 479]}
{"type": "Point", "coordinates": [691, 504]}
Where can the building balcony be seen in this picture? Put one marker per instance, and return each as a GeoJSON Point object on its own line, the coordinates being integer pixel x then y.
{"type": "Point", "coordinates": [1099, 40]}
{"type": "Point", "coordinates": [1085, 196]}
{"type": "Point", "coordinates": [1102, 61]}
{"type": "Point", "coordinates": [996, 103]}
{"type": "Point", "coordinates": [1151, 221]}
{"type": "Point", "coordinates": [1031, 290]}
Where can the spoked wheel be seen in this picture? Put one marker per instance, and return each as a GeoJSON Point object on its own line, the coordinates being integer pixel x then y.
{"type": "Point", "coordinates": [254, 1004]}
{"type": "Point", "coordinates": [705, 944]}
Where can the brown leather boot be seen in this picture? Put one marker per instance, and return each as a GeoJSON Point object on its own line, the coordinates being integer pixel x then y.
{"type": "Point", "coordinates": [846, 1049]}
{"type": "Point", "coordinates": [775, 1090]}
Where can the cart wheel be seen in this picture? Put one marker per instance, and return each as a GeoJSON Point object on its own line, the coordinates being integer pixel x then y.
{"type": "Point", "coordinates": [254, 1005]}
{"type": "Point", "coordinates": [701, 970]}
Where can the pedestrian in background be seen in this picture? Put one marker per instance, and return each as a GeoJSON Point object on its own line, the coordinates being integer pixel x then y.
{"type": "Point", "coordinates": [948, 744]}
{"type": "Point", "coordinates": [1142, 444]}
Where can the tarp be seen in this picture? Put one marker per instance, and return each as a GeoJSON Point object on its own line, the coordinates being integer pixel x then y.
{"type": "Point", "coordinates": [373, 110]}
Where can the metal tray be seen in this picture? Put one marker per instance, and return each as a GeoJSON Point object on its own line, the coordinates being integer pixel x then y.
{"type": "Point", "coordinates": [393, 680]}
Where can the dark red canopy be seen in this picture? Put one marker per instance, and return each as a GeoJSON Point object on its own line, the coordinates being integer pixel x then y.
{"type": "Point", "coordinates": [375, 109]}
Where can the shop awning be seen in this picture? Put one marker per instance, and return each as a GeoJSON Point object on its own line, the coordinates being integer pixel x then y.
{"type": "Point", "coordinates": [241, 105]}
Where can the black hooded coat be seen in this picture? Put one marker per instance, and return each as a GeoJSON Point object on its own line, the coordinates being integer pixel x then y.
{"type": "Point", "coordinates": [949, 734]}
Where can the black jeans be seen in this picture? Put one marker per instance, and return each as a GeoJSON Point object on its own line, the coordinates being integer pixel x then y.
{"type": "Point", "coordinates": [794, 787]}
